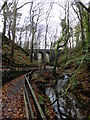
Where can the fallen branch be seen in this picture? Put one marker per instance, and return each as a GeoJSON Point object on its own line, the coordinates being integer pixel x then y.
{"type": "Point", "coordinates": [71, 81]}
{"type": "Point", "coordinates": [73, 76]}
{"type": "Point", "coordinates": [57, 98]}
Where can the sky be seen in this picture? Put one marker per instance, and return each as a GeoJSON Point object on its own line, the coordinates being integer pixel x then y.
{"type": "Point", "coordinates": [57, 13]}
{"type": "Point", "coordinates": [56, 9]}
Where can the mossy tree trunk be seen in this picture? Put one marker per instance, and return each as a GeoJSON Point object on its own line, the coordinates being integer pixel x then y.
{"type": "Point", "coordinates": [88, 32]}
{"type": "Point", "coordinates": [56, 58]}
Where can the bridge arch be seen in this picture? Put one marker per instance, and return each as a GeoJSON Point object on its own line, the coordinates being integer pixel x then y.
{"type": "Point", "coordinates": [40, 54]}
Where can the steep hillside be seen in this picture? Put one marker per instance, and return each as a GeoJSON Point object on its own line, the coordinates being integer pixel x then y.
{"type": "Point", "coordinates": [21, 57]}
{"type": "Point", "coordinates": [21, 63]}
{"type": "Point", "coordinates": [78, 66]}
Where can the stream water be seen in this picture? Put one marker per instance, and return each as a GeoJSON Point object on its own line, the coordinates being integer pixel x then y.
{"type": "Point", "coordinates": [67, 107]}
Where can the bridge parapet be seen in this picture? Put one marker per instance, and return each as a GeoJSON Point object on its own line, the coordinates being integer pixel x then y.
{"type": "Point", "coordinates": [50, 52]}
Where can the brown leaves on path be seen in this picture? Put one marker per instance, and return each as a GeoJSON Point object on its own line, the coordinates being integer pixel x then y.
{"type": "Point", "coordinates": [12, 99]}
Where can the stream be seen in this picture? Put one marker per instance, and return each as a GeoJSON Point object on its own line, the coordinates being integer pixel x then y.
{"type": "Point", "coordinates": [67, 107]}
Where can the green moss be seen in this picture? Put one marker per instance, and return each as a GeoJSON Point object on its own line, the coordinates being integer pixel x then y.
{"type": "Point", "coordinates": [47, 113]}
{"type": "Point", "coordinates": [87, 58]}
{"type": "Point", "coordinates": [6, 46]}
{"type": "Point", "coordinates": [89, 117]}
{"type": "Point", "coordinates": [34, 63]}
{"type": "Point", "coordinates": [79, 60]}
{"type": "Point", "coordinates": [75, 83]}
{"type": "Point", "coordinates": [41, 98]}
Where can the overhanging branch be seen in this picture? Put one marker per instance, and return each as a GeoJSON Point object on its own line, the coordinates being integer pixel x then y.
{"type": "Point", "coordinates": [87, 9]}
{"type": "Point", "coordinates": [23, 5]}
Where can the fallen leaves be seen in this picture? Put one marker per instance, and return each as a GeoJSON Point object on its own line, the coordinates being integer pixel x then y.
{"type": "Point", "coordinates": [12, 99]}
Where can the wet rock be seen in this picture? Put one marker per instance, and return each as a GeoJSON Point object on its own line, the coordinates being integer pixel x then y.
{"type": "Point", "coordinates": [67, 67]}
{"type": "Point", "coordinates": [61, 76]}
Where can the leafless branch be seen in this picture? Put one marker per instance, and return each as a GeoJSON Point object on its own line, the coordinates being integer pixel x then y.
{"type": "Point", "coordinates": [87, 9]}
{"type": "Point", "coordinates": [23, 5]}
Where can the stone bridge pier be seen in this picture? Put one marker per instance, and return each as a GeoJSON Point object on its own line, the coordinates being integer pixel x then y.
{"type": "Point", "coordinates": [43, 52]}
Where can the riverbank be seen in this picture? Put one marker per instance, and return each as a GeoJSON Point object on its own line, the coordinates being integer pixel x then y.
{"type": "Point", "coordinates": [40, 80]}
{"type": "Point", "coordinates": [48, 91]}
{"type": "Point", "coordinates": [77, 67]}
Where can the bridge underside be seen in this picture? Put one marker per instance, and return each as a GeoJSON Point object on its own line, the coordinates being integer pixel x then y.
{"type": "Point", "coordinates": [44, 54]}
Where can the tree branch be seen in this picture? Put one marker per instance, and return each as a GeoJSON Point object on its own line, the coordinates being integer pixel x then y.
{"type": "Point", "coordinates": [73, 76]}
{"type": "Point", "coordinates": [87, 9]}
{"type": "Point", "coordinates": [76, 12]}
{"type": "Point", "coordinates": [23, 5]}
{"type": "Point", "coordinates": [58, 98]}
{"type": "Point", "coordinates": [5, 3]}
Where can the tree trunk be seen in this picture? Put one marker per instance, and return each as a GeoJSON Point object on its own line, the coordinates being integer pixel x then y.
{"type": "Point", "coordinates": [88, 33]}
{"type": "Point", "coordinates": [4, 25]}
{"type": "Point", "coordinates": [9, 31]}
{"type": "Point", "coordinates": [82, 27]}
{"type": "Point", "coordinates": [45, 45]}
{"type": "Point", "coordinates": [56, 58]}
{"type": "Point", "coordinates": [33, 32]}
{"type": "Point", "coordinates": [14, 30]}
{"type": "Point", "coordinates": [32, 47]}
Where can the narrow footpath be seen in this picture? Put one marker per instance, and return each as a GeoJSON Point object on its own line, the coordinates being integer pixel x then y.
{"type": "Point", "coordinates": [12, 99]}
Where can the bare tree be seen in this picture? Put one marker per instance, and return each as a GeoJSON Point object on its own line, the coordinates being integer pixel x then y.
{"type": "Point", "coordinates": [14, 25]}
{"type": "Point", "coordinates": [4, 8]}
{"type": "Point", "coordinates": [46, 31]}
{"type": "Point", "coordinates": [35, 14]}
{"type": "Point", "coordinates": [81, 9]}
{"type": "Point", "coordinates": [88, 23]}
{"type": "Point", "coordinates": [63, 39]}
{"type": "Point", "coordinates": [14, 29]}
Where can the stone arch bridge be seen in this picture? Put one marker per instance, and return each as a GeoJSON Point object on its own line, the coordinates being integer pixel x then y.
{"type": "Point", "coordinates": [50, 52]}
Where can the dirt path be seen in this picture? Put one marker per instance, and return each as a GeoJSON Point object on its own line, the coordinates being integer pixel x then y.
{"type": "Point", "coordinates": [12, 99]}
